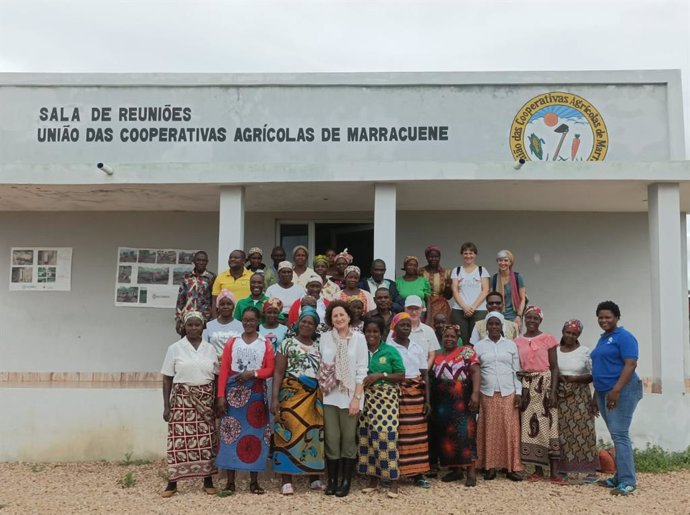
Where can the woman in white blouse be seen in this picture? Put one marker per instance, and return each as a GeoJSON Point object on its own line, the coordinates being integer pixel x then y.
{"type": "Point", "coordinates": [189, 372]}
{"type": "Point", "coordinates": [575, 417]}
{"type": "Point", "coordinates": [343, 368]}
{"type": "Point", "coordinates": [498, 439]}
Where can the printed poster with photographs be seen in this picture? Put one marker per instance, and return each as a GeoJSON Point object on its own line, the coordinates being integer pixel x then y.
{"type": "Point", "coordinates": [41, 269]}
{"type": "Point", "coordinates": [150, 278]}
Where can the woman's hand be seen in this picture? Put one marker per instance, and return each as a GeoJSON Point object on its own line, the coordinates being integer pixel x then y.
{"type": "Point", "coordinates": [427, 409]}
{"type": "Point", "coordinates": [275, 408]}
{"type": "Point", "coordinates": [166, 413]}
{"type": "Point", "coordinates": [552, 402]}
{"type": "Point", "coordinates": [612, 399]}
{"type": "Point", "coordinates": [474, 402]}
{"type": "Point", "coordinates": [518, 324]}
{"type": "Point", "coordinates": [354, 407]}
{"type": "Point", "coordinates": [245, 376]}
{"type": "Point", "coordinates": [469, 311]}
{"type": "Point", "coordinates": [371, 379]}
{"type": "Point", "coordinates": [563, 379]}
{"type": "Point", "coordinates": [221, 407]}
{"type": "Point", "coordinates": [594, 407]}
{"type": "Point", "coordinates": [517, 402]}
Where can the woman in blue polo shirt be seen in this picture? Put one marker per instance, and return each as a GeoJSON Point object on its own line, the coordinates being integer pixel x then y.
{"type": "Point", "coordinates": [617, 390]}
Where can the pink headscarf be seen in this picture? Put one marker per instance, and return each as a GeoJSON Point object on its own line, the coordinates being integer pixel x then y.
{"type": "Point", "coordinates": [225, 294]}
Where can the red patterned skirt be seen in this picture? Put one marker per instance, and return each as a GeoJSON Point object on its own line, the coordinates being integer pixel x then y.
{"type": "Point", "coordinates": [192, 437]}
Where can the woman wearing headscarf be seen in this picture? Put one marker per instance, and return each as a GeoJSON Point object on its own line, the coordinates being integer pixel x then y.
{"type": "Point", "coordinates": [352, 290]}
{"type": "Point", "coordinates": [539, 421]}
{"type": "Point", "coordinates": [575, 415]}
{"type": "Point", "coordinates": [248, 360]}
{"type": "Point", "coordinates": [378, 424]}
{"type": "Point", "coordinates": [439, 280]}
{"type": "Point", "coordinates": [498, 431]}
{"type": "Point", "coordinates": [275, 333]}
{"type": "Point", "coordinates": [189, 372]}
{"type": "Point", "coordinates": [255, 265]}
{"type": "Point", "coordinates": [286, 289]}
{"type": "Point", "coordinates": [341, 262]}
{"type": "Point", "coordinates": [330, 290]}
{"type": "Point", "coordinates": [219, 330]}
{"type": "Point", "coordinates": [301, 271]}
{"type": "Point", "coordinates": [341, 374]}
{"type": "Point", "coordinates": [511, 285]}
{"type": "Point", "coordinates": [298, 406]}
{"type": "Point", "coordinates": [455, 381]}
{"type": "Point", "coordinates": [413, 431]}
{"type": "Point", "coordinates": [411, 283]}
{"type": "Point", "coordinates": [617, 390]}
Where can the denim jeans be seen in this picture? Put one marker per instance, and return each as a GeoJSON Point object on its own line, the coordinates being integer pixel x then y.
{"type": "Point", "coordinates": [618, 422]}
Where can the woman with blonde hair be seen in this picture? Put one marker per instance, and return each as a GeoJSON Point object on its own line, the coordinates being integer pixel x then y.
{"type": "Point", "coordinates": [512, 286]}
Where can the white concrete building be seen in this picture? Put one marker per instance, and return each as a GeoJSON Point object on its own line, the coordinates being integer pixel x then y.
{"type": "Point", "coordinates": [389, 162]}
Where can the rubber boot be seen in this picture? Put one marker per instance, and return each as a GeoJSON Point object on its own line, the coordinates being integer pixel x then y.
{"type": "Point", "coordinates": [349, 465]}
{"type": "Point", "coordinates": [332, 466]}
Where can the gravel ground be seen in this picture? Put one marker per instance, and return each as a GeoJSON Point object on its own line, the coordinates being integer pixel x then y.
{"type": "Point", "coordinates": [94, 488]}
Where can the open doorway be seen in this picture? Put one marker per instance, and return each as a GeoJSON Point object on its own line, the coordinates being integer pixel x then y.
{"type": "Point", "coordinates": [357, 237]}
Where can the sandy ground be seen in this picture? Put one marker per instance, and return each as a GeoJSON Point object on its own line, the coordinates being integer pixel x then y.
{"type": "Point", "coordinates": [94, 488]}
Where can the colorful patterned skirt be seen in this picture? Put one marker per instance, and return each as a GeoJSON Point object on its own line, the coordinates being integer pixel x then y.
{"type": "Point", "coordinates": [298, 432]}
{"type": "Point", "coordinates": [413, 437]}
{"type": "Point", "coordinates": [192, 437]}
{"type": "Point", "coordinates": [498, 433]}
{"type": "Point", "coordinates": [539, 423]}
{"type": "Point", "coordinates": [378, 432]}
{"type": "Point", "coordinates": [452, 426]}
{"type": "Point", "coordinates": [244, 431]}
{"type": "Point", "coordinates": [576, 427]}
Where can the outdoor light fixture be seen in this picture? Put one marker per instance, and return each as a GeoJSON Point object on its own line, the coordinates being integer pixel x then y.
{"type": "Point", "coordinates": [105, 168]}
{"type": "Point", "coordinates": [518, 164]}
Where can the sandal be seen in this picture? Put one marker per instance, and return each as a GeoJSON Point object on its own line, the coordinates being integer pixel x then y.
{"type": "Point", "coordinates": [317, 485]}
{"type": "Point", "coordinates": [392, 495]}
{"type": "Point", "coordinates": [230, 487]}
{"type": "Point", "coordinates": [490, 475]}
{"type": "Point", "coordinates": [370, 489]}
{"type": "Point", "coordinates": [422, 483]}
{"type": "Point", "coordinates": [534, 478]}
{"type": "Point", "coordinates": [256, 489]}
{"type": "Point", "coordinates": [559, 481]}
{"type": "Point", "coordinates": [286, 489]}
{"type": "Point", "coordinates": [471, 481]}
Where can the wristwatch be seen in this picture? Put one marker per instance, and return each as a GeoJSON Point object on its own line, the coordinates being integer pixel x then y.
{"type": "Point", "coordinates": [358, 396]}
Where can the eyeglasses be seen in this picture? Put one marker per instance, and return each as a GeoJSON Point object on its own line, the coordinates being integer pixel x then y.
{"type": "Point", "coordinates": [494, 302]}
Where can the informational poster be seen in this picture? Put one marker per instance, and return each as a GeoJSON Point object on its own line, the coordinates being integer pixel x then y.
{"type": "Point", "coordinates": [41, 269]}
{"type": "Point", "coordinates": [150, 278]}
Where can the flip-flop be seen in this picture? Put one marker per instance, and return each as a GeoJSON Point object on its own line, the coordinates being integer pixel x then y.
{"type": "Point", "coordinates": [256, 489]}
{"type": "Point", "coordinates": [535, 478]}
{"type": "Point", "coordinates": [392, 495]}
{"type": "Point", "coordinates": [422, 483]}
{"type": "Point", "coordinates": [369, 489]}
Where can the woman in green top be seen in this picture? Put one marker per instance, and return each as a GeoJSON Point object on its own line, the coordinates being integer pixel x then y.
{"type": "Point", "coordinates": [378, 423]}
{"type": "Point", "coordinates": [411, 283]}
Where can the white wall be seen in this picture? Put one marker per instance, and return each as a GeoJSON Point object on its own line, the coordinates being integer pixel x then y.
{"type": "Point", "coordinates": [82, 330]}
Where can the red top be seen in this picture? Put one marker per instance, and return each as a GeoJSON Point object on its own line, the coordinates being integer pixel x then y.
{"type": "Point", "coordinates": [296, 309]}
{"type": "Point", "coordinates": [226, 371]}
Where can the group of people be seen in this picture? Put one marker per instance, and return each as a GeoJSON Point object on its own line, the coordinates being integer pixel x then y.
{"type": "Point", "coordinates": [321, 370]}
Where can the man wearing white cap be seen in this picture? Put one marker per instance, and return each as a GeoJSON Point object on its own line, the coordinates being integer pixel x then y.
{"type": "Point", "coordinates": [421, 333]}
{"type": "Point", "coordinates": [285, 289]}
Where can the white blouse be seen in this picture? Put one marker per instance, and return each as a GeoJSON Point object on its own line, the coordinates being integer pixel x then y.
{"type": "Point", "coordinates": [188, 365]}
{"type": "Point", "coordinates": [413, 356]}
{"type": "Point", "coordinates": [499, 362]}
{"type": "Point", "coordinates": [248, 356]}
{"type": "Point", "coordinates": [574, 363]}
{"type": "Point", "coordinates": [358, 354]}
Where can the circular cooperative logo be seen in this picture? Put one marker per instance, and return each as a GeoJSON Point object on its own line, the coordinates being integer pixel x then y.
{"type": "Point", "coordinates": [558, 126]}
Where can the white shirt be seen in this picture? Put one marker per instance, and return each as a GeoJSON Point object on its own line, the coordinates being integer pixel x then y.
{"type": "Point", "coordinates": [422, 335]}
{"type": "Point", "coordinates": [288, 296]}
{"type": "Point", "coordinates": [574, 363]}
{"type": "Point", "coordinates": [498, 362]}
{"type": "Point", "coordinates": [413, 356]}
{"type": "Point", "coordinates": [188, 365]}
{"type": "Point", "coordinates": [218, 334]}
{"type": "Point", "coordinates": [358, 354]}
{"type": "Point", "coordinates": [248, 356]}
{"type": "Point", "coordinates": [469, 286]}
{"type": "Point", "coordinates": [303, 278]}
